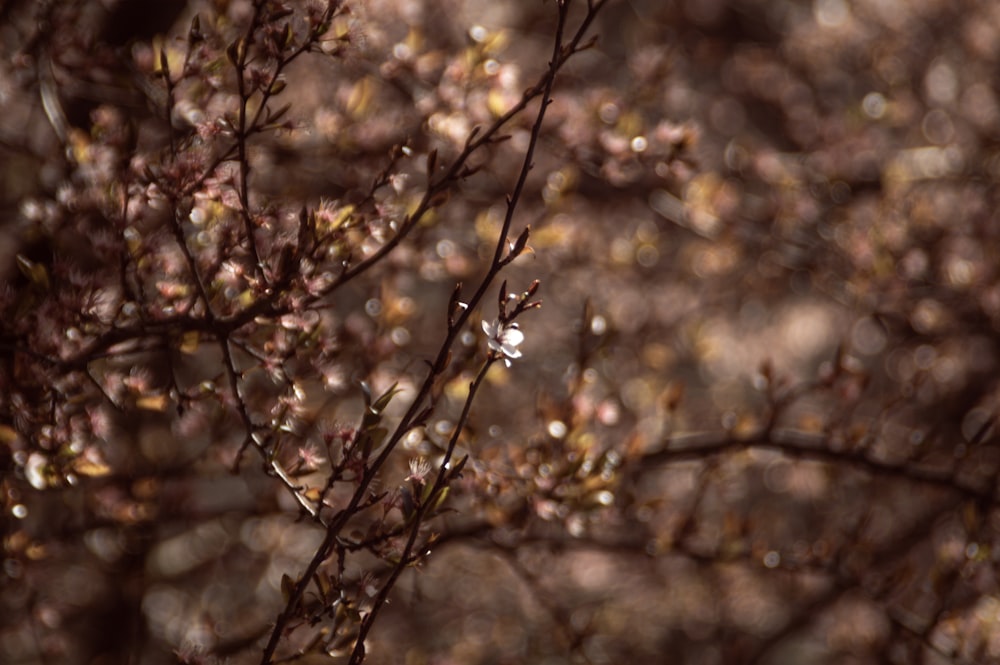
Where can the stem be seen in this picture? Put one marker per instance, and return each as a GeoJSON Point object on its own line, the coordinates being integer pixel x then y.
{"type": "Point", "coordinates": [407, 557]}
{"type": "Point", "coordinates": [560, 53]}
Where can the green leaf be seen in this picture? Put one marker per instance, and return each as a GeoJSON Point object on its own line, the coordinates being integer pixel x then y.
{"type": "Point", "coordinates": [440, 499]}
{"type": "Point", "coordinates": [385, 398]}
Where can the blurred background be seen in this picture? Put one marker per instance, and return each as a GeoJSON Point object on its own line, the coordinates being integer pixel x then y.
{"type": "Point", "coordinates": [754, 421]}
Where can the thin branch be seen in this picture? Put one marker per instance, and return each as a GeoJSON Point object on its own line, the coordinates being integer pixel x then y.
{"type": "Point", "coordinates": [561, 53]}
{"type": "Point", "coordinates": [432, 497]}
{"type": "Point", "coordinates": [802, 445]}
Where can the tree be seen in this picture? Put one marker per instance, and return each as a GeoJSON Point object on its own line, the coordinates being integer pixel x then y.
{"type": "Point", "coordinates": [277, 386]}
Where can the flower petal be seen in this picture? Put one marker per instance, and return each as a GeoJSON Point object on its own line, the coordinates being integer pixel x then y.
{"type": "Point", "coordinates": [510, 351]}
{"type": "Point", "coordinates": [512, 336]}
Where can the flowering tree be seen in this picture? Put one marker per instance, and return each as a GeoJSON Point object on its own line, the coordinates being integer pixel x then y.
{"type": "Point", "coordinates": [276, 385]}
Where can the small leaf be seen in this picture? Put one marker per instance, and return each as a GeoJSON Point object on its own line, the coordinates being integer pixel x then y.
{"type": "Point", "coordinates": [246, 298]}
{"type": "Point", "coordinates": [237, 52]}
{"type": "Point", "coordinates": [287, 587]}
{"type": "Point", "coordinates": [35, 272]}
{"type": "Point", "coordinates": [457, 470]}
{"type": "Point", "coordinates": [8, 435]}
{"type": "Point", "coordinates": [589, 44]}
{"type": "Point", "coordinates": [164, 65]}
{"type": "Point", "coordinates": [194, 32]}
{"type": "Point", "coordinates": [360, 98]}
{"type": "Point", "coordinates": [189, 342]}
{"type": "Point", "coordinates": [469, 170]}
{"type": "Point", "coordinates": [421, 418]}
{"type": "Point", "coordinates": [324, 583]}
{"type": "Point", "coordinates": [440, 499]}
{"type": "Point", "coordinates": [426, 492]}
{"type": "Point", "coordinates": [371, 439]}
{"type": "Point", "coordinates": [439, 199]}
{"type": "Point", "coordinates": [520, 243]}
{"type": "Point", "coordinates": [385, 398]}
{"type": "Point", "coordinates": [152, 402]}
{"type": "Point", "coordinates": [90, 468]}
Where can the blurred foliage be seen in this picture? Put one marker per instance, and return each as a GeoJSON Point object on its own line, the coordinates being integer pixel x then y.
{"type": "Point", "coordinates": [244, 380]}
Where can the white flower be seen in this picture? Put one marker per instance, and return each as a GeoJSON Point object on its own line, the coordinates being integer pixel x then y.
{"type": "Point", "coordinates": [503, 339]}
{"type": "Point", "coordinates": [419, 469]}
